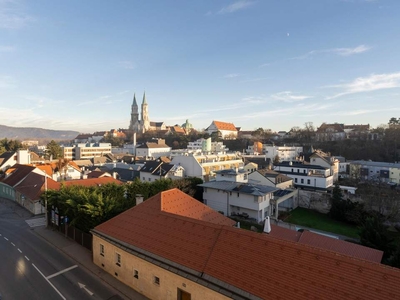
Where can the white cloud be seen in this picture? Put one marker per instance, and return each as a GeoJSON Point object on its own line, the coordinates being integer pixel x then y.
{"type": "Point", "coordinates": [339, 51]}
{"type": "Point", "coordinates": [369, 84]}
{"type": "Point", "coordinates": [12, 15]}
{"type": "Point", "coordinates": [232, 75]}
{"type": "Point", "coordinates": [287, 96]}
{"type": "Point", "coordinates": [236, 6]}
{"type": "Point", "coordinates": [126, 64]}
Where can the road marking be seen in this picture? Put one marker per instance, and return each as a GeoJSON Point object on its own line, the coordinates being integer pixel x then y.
{"type": "Point", "coordinates": [6, 238]}
{"type": "Point", "coordinates": [26, 257]}
{"type": "Point", "coordinates": [12, 244]}
{"type": "Point", "coordinates": [63, 271]}
{"type": "Point", "coordinates": [82, 286]}
{"type": "Point", "coordinates": [58, 292]}
{"type": "Point", "coordinates": [19, 250]}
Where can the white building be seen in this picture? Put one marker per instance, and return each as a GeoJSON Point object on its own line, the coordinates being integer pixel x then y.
{"type": "Point", "coordinates": [306, 176]}
{"type": "Point", "coordinates": [10, 158]}
{"type": "Point", "coordinates": [207, 146]}
{"type": "Point", "coordinates": [205, 166]}
{"type": "Point", "coordinates": [85, 150]}
{"type": "Point", "coordinates": [239, 199]}
{"type": "Point", "coordinates": [155, 170]}
{"type": "Point", "coordinates": [322, 159]}
{"type": "Point", "coordinates": [225, 130]}
{"type": "Point", "coordinates": [375, 171]}
{"type": "Point", "coordinates": [234, 175]}
{"type": "Point", "coordinates": [153, 149]}
{"type": "Point", "coordinates": [271, 151]}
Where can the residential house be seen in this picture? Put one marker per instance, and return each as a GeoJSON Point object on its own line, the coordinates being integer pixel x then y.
{"type": "Point", "coordinates": [235, 175]}
{"type": "Point", "coordinates": [10, 158]}
{"type": "Point", "coordinates": [330, 132]}
{"type": "Point", "coordinates": [375, 171]}
{"type": "Point", "coordinates": [323, 159]}
{"type": "Point", "coordinates": [226, 131]}
{"type": "Point", "coordinates": [251, 167]}
{"type": "Point", "coordinates": [271, 178]}
{"type": "Point", "coordinates": [247, 200]}
{"type": "Point", "coordinates": [272, 151]}
{"type": "Point", "coordinates": [157, 169]}
{"type": "Point", "coordinates": [204, 166]}
{"type": "Point", "coordinates": [357, 131]}
{"type": "Point", "coordinates": [173, 247]}
{"type": "Point", "coordinates": [81, 151]}
{"type": "Point", "coordinates": [153, 149]}
{"type": "Point", "coordinates": [306, 176]}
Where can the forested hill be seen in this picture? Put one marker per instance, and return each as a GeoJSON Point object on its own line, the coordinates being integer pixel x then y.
{"type": "Point", "coordinates": [24, 133]}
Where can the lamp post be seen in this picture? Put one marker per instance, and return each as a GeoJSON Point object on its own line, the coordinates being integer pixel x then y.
{"type": "Point", "coordinates": [45, 197]}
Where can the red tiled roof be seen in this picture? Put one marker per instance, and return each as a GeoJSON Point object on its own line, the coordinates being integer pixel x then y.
{"type": "Point", "coordinates": [336, 127]}
{"type": "Point", "coordinates": [260, 264]}
{"type": "Point", "coordinates": [18, 172]}
{"type": "Point", "coordinates": [225, 126]}
{"type": "Point", "coordinates": [92, 181]}
{"type": "Point", "coordinates": [340, 246]}
{"type": "Point", "coordinates": [98, 174]}
{"type": "Point", "coordinates": [34, 184]}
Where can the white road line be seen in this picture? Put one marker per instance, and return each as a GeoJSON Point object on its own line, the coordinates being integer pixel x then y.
{"type": "Point", "coordinates": [19, 250]}
{"type": "Point", "coordinates": [26, 257]}
{"type": "Point", "coordinates": [63, 271]}
{"type": "Point", "coordinates": [58, 292]}
{"type": "Point", "coordinates": [12, 244]}
{"type": "Point", "coordinates": [6, 238]}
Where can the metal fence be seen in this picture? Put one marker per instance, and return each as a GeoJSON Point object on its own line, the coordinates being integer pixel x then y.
{"type": "Point", "coordinates": [82, 238]}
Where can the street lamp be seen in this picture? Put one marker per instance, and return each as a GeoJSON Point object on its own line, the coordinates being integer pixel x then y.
{"type": "Point", "coordinates": [45, 197]}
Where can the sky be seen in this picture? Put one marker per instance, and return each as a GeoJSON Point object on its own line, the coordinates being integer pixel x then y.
{"type": "Point", "coordinates": [274, 64]}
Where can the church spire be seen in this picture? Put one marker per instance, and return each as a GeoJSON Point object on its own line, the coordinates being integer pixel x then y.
{"type": "Point", "coordinates": [144, 98]}
{"type": "Point", "coordinates": [134, 100]}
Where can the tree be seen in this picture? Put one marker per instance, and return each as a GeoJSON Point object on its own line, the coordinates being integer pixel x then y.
{"type": "Point", "coordinates": [53, 150]}
{"type": "Point", "coordinates": [373, 234]}
{"type": "Point", "coordinates": [276, 159]}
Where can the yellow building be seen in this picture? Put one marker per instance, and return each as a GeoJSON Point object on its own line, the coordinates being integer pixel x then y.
{"type": "Point", "coordinates": [173, 247]}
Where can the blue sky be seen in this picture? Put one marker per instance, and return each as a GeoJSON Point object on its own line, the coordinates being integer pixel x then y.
{"type": "Point", "coordinates": [75, 65]}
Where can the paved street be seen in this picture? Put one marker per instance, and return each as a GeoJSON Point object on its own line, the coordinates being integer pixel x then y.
{"type": "Point", "coordinates": [31, 268]}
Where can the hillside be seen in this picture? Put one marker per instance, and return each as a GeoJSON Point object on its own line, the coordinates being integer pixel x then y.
{"type": "Point", "coordinates": [25, 133]}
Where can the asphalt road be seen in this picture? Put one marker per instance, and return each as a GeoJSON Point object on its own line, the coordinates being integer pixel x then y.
{"type": "Point", "coordinates": [30, 268]}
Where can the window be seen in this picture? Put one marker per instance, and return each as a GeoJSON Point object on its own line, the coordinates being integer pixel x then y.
{"type": "Point", "coordinates": [304, 171]}
{"type": "Point", "coordinates": [118, 259]}
{"type": "Point", "coordinates": [308, 181]}
{"type": "Point", "coordinates": [302, 180]}
{"type": "Point", "coordinates": [295, 180]}
{"type": "Point", "coordinates": [156, 280]}
{"type": "Point", "coordinates": [298, 170]}
{"type": "Point", "coordinates": [136, 274]}
{"type": "Point", "coordinates": [101, 249]}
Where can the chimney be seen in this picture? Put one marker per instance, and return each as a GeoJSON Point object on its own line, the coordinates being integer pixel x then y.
{"type": "Point", "coordinates": [139, 199]}
{"type": "Point", "coordinates": [267, 225]}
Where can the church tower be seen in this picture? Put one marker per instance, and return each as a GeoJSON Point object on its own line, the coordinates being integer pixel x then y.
{"type": "Point", "coordinates": [145, 115]}
{"type": "Point", "coordinates": [134, 124]}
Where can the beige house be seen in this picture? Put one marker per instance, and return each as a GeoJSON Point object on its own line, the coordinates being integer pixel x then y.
{"type": "Point", "coordinates": [323, 159]}
{"type": "Point", "coordinates": [226, 130]}
{"type": "Point", "coordinates": [173, 247]}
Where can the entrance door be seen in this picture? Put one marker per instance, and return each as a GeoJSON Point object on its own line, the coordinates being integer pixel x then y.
{"type": "Point", "coordinates": [182, 295]}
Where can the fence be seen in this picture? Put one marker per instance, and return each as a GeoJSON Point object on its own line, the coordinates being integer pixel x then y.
{"type": "Point", "coordinates": [82, 238]}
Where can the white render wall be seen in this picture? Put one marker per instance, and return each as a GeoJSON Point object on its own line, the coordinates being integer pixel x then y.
{"type": "Point", "coordinates": [254, 206]}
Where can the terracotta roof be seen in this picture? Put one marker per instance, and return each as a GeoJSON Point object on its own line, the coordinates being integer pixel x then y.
{"type": "Point", "coordinates": [224, 126]}
{"type": "Point", "coordinates": [98, 174]}
{"type": "Point", "coordinates": [18, 173]}
{"type": "Point", "coordinates": [92, 181]}
{"type": "Point", "coordinates": [152, 145]}
{"type": "Point", "coordinates": [357, 127]}
{"type": "Point", "coordinates": [246, 263]}
{"type": "Point", "coordinates": [34, 185]}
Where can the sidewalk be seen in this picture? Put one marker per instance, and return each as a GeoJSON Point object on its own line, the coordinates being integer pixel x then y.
{"type": "Point", "coordinates": [11, 210]}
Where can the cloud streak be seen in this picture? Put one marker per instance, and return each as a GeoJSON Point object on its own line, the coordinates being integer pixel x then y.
{"type": "Point", "coordinates": [371, 83]}
{"type": "Point", "coordinates": [289, 97]}
{"type": "Point", "coordinates": [338, 51]}
{"type": "Point", "coordinates": [236, 6]}
{"type": "Point", "coordinates": [12, 15]}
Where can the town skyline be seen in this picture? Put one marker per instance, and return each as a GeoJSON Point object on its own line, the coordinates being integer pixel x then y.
{"type": "Point", "coordinates": [76, 66]}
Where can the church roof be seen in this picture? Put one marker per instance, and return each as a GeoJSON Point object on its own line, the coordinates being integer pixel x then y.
{"type": "Point", "coordinates": [134, 100]}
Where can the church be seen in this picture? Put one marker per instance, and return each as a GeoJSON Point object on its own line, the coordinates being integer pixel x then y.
{"type": "Point", "coordinates": [142, 124]}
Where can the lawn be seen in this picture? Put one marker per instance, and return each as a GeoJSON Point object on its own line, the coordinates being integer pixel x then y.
{"type": "Point", "coordinates": [310, 218]}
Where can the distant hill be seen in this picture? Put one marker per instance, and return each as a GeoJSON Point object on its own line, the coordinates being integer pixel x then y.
{"type": "Point", "coordinates": [25, 133]}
